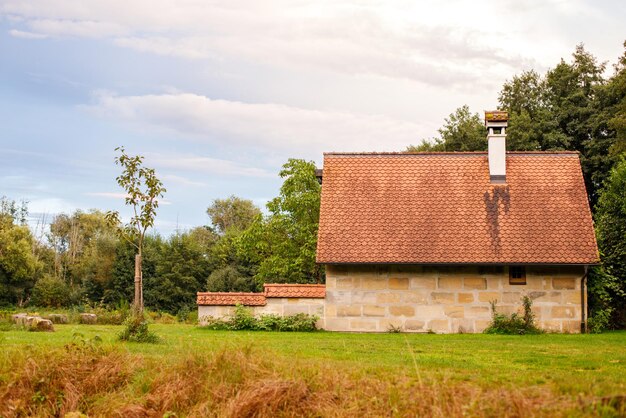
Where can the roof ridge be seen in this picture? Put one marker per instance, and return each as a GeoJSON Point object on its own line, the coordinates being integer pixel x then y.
{"type": "Point", "coordinates": [455, 153]}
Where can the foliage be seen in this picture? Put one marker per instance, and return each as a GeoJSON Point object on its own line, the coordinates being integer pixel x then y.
{"type": "Point", "coordinates": [143, 189]}
{"type": "Point", "coordinates": [513, 324]}
{"type": "Point", "coordinates": [462, 131]}
{"type": "Point", "coordinates": [50, 291]}
{"type": "Point", "coordinates": [136, 330]}
{"type": "Point", "coordinates": [607, 285]}
{"type": "Point", "coordinates": [283, 243]}
{"type": "Point", "coordinates": [232, 212]}
{"type": "Point", "coordinates": [19, 265]}
{"type": "Point", "coordinates": [181, 266]}
{"type": "Point", "coordinates": [229, 279]}
{"type": "Point", "coordinates": [243, 319]}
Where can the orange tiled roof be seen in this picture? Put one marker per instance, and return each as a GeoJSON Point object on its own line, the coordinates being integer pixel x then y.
{"type": "Point", "coordinates": [277, 290]}
{"type": "Point", "coordinates": [231, 298]}
{"type": "Point", "coordinates": [441, 208]}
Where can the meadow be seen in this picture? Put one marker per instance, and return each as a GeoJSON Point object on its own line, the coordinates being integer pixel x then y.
{"type": "Point", "coordinates": [199, 372]}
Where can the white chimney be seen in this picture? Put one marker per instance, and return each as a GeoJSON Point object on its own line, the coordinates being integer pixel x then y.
{"type": "Point", "coordinates": [496, 123]}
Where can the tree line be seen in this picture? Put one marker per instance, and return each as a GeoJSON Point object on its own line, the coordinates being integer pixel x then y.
{"type": "Point", "coordinates": [82, 259]}
{"type": "Point", "coordinates": [576, 107]}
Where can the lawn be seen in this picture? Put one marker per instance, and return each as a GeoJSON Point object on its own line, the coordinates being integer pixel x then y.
{"type": "Point", "coordinates": [226, 373]}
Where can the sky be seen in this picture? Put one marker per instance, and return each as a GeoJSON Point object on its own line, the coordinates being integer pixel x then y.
{"type": "Point", "coordinates": [218, 95]}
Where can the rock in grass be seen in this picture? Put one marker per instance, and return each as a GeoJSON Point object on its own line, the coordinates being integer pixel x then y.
{"type": "Point", "coordinates": [18, 318]}
{"type": "Point", "coordinates": [57, 318]}
{"type": "Point", "coordinates": [88, 318]}
{"type": "Point", "coordinates": [40, 324]}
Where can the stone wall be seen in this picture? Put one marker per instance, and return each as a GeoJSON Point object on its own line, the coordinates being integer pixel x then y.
{"type": "Point", "coordinates": [446, 299]}
{"type": "Point", "coordinates": [279, 306]}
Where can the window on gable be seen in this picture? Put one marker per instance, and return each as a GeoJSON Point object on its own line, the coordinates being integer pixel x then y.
{"type": "Point", "coordinates": [517, 275]}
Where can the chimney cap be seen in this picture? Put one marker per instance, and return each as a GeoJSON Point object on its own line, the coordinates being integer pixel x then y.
{"type": "Point", "coordinates": [496, 116]}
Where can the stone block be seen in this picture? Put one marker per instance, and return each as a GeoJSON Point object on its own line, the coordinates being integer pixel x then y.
{"type": "Point", "coordinates": [463, 326]}
{"type": "Point", "coordinates": [481, 324]}
{"type": "Point", "coordinates": [423, 282]}
{"type": "Point", "coordinates": [511, 297]}
{"type": "Point", "coordinates": [550, 325]}
{"type": "Point", "coordinates": [331, 282]}
{"type": "Point", "coordinates": [401, 310]}
{"type": "Point", "coordinates": [429, 311]}
{"type": "Point", "coordinates": [344, 283]}
{"type": "Point", "coordinates": [373, 283]}
{"type": "Point", "coordinates": [489, 296]}
{"type": "Point", "coordinates": [58, 318]}
{"type": "Point", "coordinates": [493, 283]}
{"type": "Point", "coordinates": [88, 318]}
{"type": "Point", "coordinates": [542, 296]}
{"type": "Point", "coordinates": [363, 325]}
{"type": "Point", "coordinates": [508, 309]}
{"type": "Point", "coordinates": [349, 310]}
{"type": "Point", "coordinates": [339, 297]}
{"type": "Point", "coordinates": [478, 312]}
{"type": "Point", "coordinates": [563, 312]}
{"type": "Point", "coordinates": [439, 325]}
{"type": "Point", "coordinates": [572, 327]}
{"type": "Point", "coordinates": [388, 297]}
{"type": "Point", "coordinates": [398, 283]}
{"type": "Point", "coordinates": [441, 297]}
{"type": "Point", "coordinates": [414, 325]}
{"type": "Point", "coordinates": [337, 324]}
{"type": "Point", "coordinates": [572, 298]}
{"type": "Point", "coordinates": [385, 324]}
{"type": "Point", "coordinates": [454, 311]}
{"type": "Point", "coordinates": [465, 297]}
{"type": "Point", "coordinates": [532, 283]}
{"type": "Point", "coordinates": [450, 282]}
{"type": "Point", "coordinates": [475, 283]}
{"type": "Point", "coordinates": [564, 283]}
{"type": "Point", "coordinates": [374, 310]}
{"type": "Point", "coordinates": [364, 297]}
{"type": "Point", "coordinates": [295, 309]}
{"type": "Point", "coordinates": [415, 296]}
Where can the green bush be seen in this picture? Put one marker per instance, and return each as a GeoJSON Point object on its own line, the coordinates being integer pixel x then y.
{"type": "Point", "coordinates": [51, 291]}
{"type": "Point", "coordinates": [243, 319]}
{"type": "Point", "coordinates": [513, 324]}
{"type": "Point", "coordinates": [136, 330]}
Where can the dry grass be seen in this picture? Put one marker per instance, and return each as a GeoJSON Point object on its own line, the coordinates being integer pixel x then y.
{"type": "Point", "coordinates": [241, 382]}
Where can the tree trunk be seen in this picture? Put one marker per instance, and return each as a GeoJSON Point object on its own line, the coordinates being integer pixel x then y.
{"type": "Point", "coordinates": [138, 284]}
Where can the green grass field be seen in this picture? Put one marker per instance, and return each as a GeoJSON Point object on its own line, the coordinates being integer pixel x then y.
{"type": "Point", "coordinates": [335, 373]}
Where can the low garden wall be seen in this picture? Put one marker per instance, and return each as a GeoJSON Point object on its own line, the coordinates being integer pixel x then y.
{"type": "Point", "coordinates": [279, 299]}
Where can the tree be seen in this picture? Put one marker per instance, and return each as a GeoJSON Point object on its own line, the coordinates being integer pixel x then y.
{"type": "Point", "coordinates": [181, 268]}
{"type": "Point", "coordinates": [610, 217]}
{"type": "Point", "coordinates": [462, 131]}
{"type": "Point", "coordinates": [19, 265]}
{"type": "Point", "coordinates": [283, 243]}
{"type": "Point", "coordinates": [232, 212]}
{"type": "Point", "coordinates": [143, 189]}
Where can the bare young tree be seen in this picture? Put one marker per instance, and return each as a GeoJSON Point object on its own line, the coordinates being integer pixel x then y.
{"type": "Point", "coordinates": [143, 189]}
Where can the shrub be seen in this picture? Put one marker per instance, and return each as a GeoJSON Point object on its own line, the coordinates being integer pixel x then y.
{"type": "Point", "coordinates": [136, 330]}
{"type": "Point", "coordinates": [243, 319]}
{"type": "Point", "coordinates": [513, 324]}
{"type": "Point", "coordinates": [51, 291]}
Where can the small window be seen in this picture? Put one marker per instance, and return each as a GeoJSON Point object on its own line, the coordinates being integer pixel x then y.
{"type": "Point", "coordinates": [517, 275]}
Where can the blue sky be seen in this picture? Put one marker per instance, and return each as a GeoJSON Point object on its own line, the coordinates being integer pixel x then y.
{"type": "Point", "coordinates": [218, 95]}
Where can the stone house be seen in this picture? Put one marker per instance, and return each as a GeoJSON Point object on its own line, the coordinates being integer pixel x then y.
{"type": "Point", "coordinates": [425, 241]}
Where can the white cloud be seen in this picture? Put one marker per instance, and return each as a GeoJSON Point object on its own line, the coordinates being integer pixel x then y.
{"type": "Point", "coordinates": [430, 42]}
{"type": "Point", "coordinates": [180, 180]}
{"type": "Point", "coordinates": [120, 196]}
{"type": "Point", "coordinates": [270, 127]}
{"type": "Point", "coordinates": [26, 35]}
{"type": "Point", "coordinates": [204, 165]}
